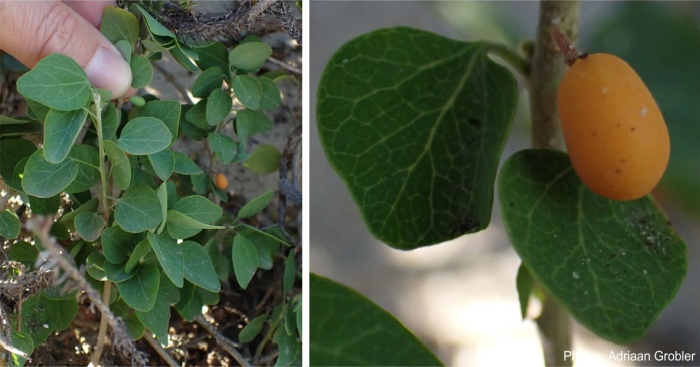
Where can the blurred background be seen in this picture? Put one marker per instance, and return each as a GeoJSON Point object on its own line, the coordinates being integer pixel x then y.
{"type": "Point", "coordinates": [459, 297]}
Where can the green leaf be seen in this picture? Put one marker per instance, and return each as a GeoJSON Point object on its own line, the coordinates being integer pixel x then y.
{"type": "Point", "coordinates": [197, 115]}
{"type": "Point", "coordinates": [221, 264]}
{"type": "Point", "coordinates": [249, 56]}
{"type": "Point", "coordinates": [299, 318]}
{"type": "Point", "coordinates": [199, 210]}
{"type": "Point", "coordinates": [144, 135]}
{"type": "Point", "coordinates": [89, 226]}
{"type": "Point", "coordinates": [11, 152]}
{"type": "Point", "coordinates": [163, 163]}
{"type": "Point", "coordinates": [57, 82]}
{"type": "Point", "coordinates": [15, 180]}
{"type": "Point", "coordinates": [134, 327]}
{"type": "Point", "coordinates": [218, 106]}
{"type": "Point", "coordinates": [289, 348]}
{"type": "Point", "coordinates": [290, 272]}
{"type": "Point", "coordinates": [415, 123]}
{"type": "Point", "coordinates": [265, 159]}
{"type": "Point", "coordinates": [38, 318]}
{"type": "Point", "coordinates": [117, 273]}
{"type": "Point", "coordinates": [143, 248]}
{"type": "Point", "coordinates": [249, 122]}
{"type": "Point", "coordinates": [88, 161]}
{"type": "Point", "coordinates": [118, 24]}
{"type": "Point", "coordinates": [207, 82]}
{"type": "Point", "coordinates": [141, 70]}
{"type": "Point", "coordinates": [271, 96]}
{"type": "Point", "coordinates": [9, 224]}
{"type": "Point", "coordinates": [166, 111]}
{"type": "Point", "coordinates": [153, 25]}
{"type": "Point", "coordinates": [95, 266]}
{"type": "Point", "coordinates": [138, 210]}
{"type": "Point", "coordinates": [201, 183]}
{"type": "Point", "coordinates": [67, 309]}
{"type": "Point", "coordinates": [184, 165]}
{"type": "Point", "coordinates": [250, 331]}
{"type": "Point", "coordinates": [37, 109]}
{"type": "Point", "coordinates": [245, 260]}
{"type": "Point", "coordinates": [182, 58]}
{"type": "Point", "coordinates": [140, 291]}
{"type": "Point", "coordinates": [613, 265]}
{"type": "Point", "coordinates": [224, 146]}
{"type": "Point", "coordinates": [176, 217]}
{"type": "Point", "coordinates": [61, 128]}
{"type": "Point", "coordinates": [162, 194]}
{"type": "Point", "coordinates": [169, 255]}
{"type": "Point", "coordinates": [255, 206]}
{"type": "Point", "coordinates": [117, 244]}
{"type": "Point", "coordinates": [374, 339]}
{"type": "Point", "coordinates": [524, 283]}
{"type": "Point", "coordinates": [43, 179]}
{"type": "Point", "coordinates": [156, 319]}
{"type": "Point", "coordinates": [24, 252]}
{"type": "Point", "coordinates": [190, 305]}
{"type": "Point", "coordinates": [45, 206]}
{"type": "Point", "coordinates": [248, 90]}
{"type": "Point", "coordinates": [23, 342]}
{"type": "Point", "coordinates": [68, 218]}
{"type": "Point", "coordinates": [198, 267]}
{"type": "Point", "coordinates": [121, 168]}
{"type": "Point", "coordinates": [213, 55]}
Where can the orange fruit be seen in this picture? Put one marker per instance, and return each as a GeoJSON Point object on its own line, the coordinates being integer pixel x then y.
{"type": "Point", "coordinates": [615, 134]}
{"type": "Point", "coordinates": [221, 181]}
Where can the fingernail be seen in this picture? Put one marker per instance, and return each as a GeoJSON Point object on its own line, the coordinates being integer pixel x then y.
{"type": "Point", "coordinates": [108, 69]}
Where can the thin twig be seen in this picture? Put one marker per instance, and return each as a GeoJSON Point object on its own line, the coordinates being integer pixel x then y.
{"type": "Point", "coordinates": [224, 342]}
{"type": "Point", "coordinates": [40, 226]}
{"type": "Point", "coordinates": [106, 293]}
{"type": "Point", "coordinates": [547, 67]}
{"type": "Point", "coordinates": [12, 349]}
{"type": "Point", "coordinates": [171, 79]}
{"type": "Point", "coordinates": [159, 349]}
{"type": "Point", "coordinates": [284, 65]}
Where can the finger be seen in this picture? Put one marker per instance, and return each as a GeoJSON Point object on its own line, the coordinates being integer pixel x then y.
{"type": "Point", "coordinates": [90, 10]}
{"type": "Point", "coordinates": [33, 30]}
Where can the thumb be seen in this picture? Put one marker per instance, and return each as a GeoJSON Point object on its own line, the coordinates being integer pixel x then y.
{"type": "Point", "coordinates": [33, 30]}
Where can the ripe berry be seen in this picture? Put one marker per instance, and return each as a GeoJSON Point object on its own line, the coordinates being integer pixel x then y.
{"type": "Point", "coordinates": [615, 134]}
{"type": "Point", "coordinates": [221, 181]}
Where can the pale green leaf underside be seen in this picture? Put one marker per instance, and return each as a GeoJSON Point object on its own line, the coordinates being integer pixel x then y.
{"type": "Point", "coordinates": [61, 128]}
{"type": "Point", "coordinates": [614, 265]}
{"type": "Point", "coordinates": [415, 123]}
{"type": "Point", "coordinates": [347, 329]}
{"type": "Point", "coordinates": [138, 210]}
{"type": "Point", "coordinates": [144, 135]}
{"type": "Point", "coordinates": [43, 179]}
{"type": "Point", "coordinates": [57, 82]}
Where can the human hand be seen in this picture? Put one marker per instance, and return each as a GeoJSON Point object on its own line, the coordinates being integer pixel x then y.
{"type": "Point", "coordinates": [32, 30]}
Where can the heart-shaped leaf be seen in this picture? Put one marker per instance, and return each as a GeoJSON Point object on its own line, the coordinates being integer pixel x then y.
{"type": "Point", "coordinates": [271, 96]}
{"type": "Point", "coordinates": [117, 244]}
{"type": "Point", "coordinates": [224, 146]}
{"type": "Point", "coordinates": [350, 330]}
{"type": "Point", "coordinates": [61, 128]}
{"type": "Point", "coordinates": [144, 135]}
{"type": "Point", "coordinates": [415, 123]}
{"type": "Point", "coordinates": [138, 210]}
{"type": "Point", "coordinates": [57, 82]}
{"type": "Point", "coordinates": [156, 319]}
{"type": "Point", "coordinates": [44, 179]}
{"type": "Point", "coordinates": [141, 70]}
{"type": "Point", "coordinates": [141, 290]}
{"type": "Point", "coordinates": [614, 265]}
{"type": "Point", "coordinates": [163, 163]}
{"type": "Point", "coordinates": [118, 24]}
{"type": "Point", "coordinates": [89, 226]}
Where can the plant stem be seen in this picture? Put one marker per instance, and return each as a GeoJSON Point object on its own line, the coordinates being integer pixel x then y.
{"type": "Point", "coordinates": [547, 69]}
{"type": "Point", "coordinates": [511, 57]}
{"type": "Point", "coordinates": [97, 116]}
{"type": "Point", "coordinates": [106, 293]}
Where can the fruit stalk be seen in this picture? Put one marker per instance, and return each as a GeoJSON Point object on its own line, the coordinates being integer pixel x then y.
{"type": "Point", "coordinates": [547, 68]}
